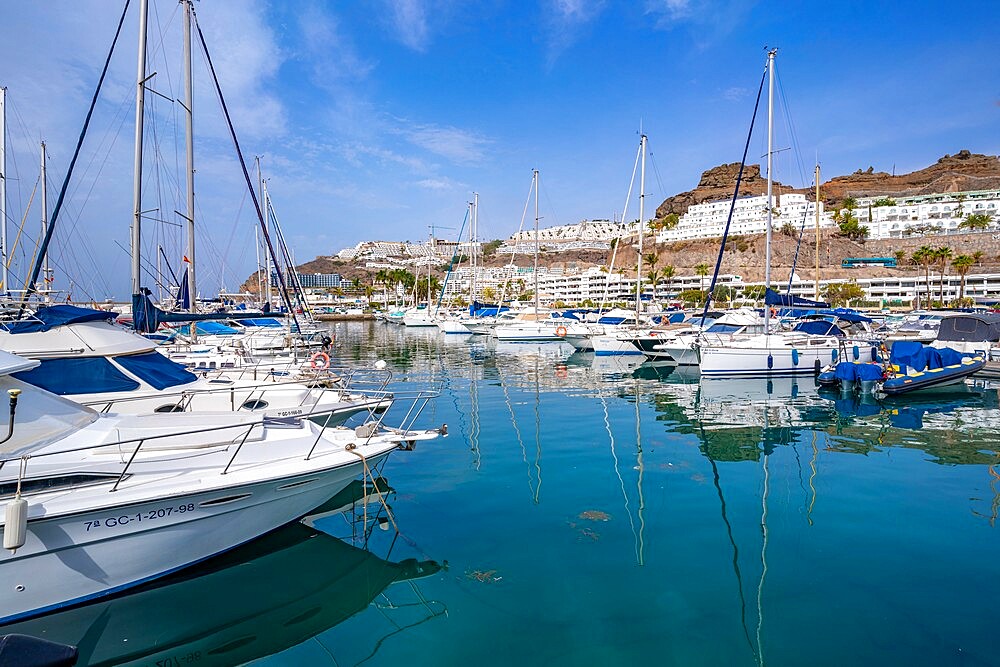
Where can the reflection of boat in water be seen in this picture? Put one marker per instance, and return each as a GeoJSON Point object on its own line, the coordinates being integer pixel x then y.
{"type": "Point", "coordinates": [254, 601]}
{"type": "Point", "coordinates": [963, 409]}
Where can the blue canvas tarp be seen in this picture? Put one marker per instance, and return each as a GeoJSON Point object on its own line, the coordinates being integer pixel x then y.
{"type": "Point", "coordinates": [54, 316]}
{"type": "Point", "coordinates": [87, 375]}
{"type": "Point", "coordinates": [156, 369]}
{"type": "Point", "coordinates": [772, 298]}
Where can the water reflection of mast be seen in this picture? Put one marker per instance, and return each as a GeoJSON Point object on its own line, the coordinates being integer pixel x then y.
{"type": "Point", "coordinates": [538, 430]}
{"type": "Point", "coordinates": [614, 456]}
{"type": "Point", "coordinates": [517, 432]}
{"type": "Point", "coordinates": [640, 544]}
{"type": "Point", "coordinates": [474, 428]}
{"type": "Point", "coordinates": [729, 530]}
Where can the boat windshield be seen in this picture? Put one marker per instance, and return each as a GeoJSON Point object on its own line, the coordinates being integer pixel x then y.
{"type": "Point", "coordinates": [720, 327]}
{"type": "Point", "coordinates": [41, 418]}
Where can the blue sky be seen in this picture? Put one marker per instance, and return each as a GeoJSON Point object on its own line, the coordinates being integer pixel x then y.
{"type": "Point", "coordinates": [379, 119]}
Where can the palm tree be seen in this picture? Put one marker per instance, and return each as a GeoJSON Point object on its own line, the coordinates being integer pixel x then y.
{"type": "Point", "coordinates": [962, 264]}
{"type": "Point", "coordinates": [976, 221]}
{"type": "Point", "coordinates": [977, 257]}
{"type": "Point", "coordinates": [652, 277]}
{"type": "Point", "coordinates": [702, 270]}
{"type": "Point", "coordinates": [667, 274]}
{"type": "Point", "coordinates": [942, 255]}
{"type": "Point", "coordinates": [924, 256]}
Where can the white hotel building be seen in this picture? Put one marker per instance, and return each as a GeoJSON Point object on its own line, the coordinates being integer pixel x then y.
{"type": "Point", "coordinates": [749, 217]}
{"type": "Point", "coordinates": [942, 212]}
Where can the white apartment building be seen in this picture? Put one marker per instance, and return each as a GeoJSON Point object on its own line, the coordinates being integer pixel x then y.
{"type": "Point", "coordinates": [585, 230]}
{"type": "Point", "coordinates": [942, 212]}
{"type": "Point", "coordinates": [708, 220]}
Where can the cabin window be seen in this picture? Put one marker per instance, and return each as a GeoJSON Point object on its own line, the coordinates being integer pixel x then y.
{"type": "Point", "coordinates": [254, 404]}
{"type": "Point", "coordinates": [87, 375]}
{"type": "Point", "coordinates": [40, 484]}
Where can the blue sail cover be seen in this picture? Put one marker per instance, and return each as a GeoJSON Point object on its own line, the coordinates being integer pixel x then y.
{"type": "Point", "coordinates": [156, 369]}
{"type": "Point", "coordinates": [87, 375]}
{"type": "Point", "coordinates": [772, 298]}
{"type": "Point", "coordinates": [147, 318]}
{"type": "Point", "coordinates": [259, 322]}
{"type": "Point", "coordinates": [54, 316]}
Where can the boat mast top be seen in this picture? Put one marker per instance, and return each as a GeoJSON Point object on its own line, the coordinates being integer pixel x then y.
{"type": "Point", "coordinates": [46, 271]}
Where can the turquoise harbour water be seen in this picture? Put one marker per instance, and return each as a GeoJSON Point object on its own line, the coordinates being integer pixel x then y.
{"type": "Point", "coordinates": [595, 511]}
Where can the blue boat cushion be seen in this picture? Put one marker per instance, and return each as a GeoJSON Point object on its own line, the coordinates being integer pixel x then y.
{"type": "Point", "coordinates": [87, 375]}
{"type": "Point", "coordinates": [156, 369]}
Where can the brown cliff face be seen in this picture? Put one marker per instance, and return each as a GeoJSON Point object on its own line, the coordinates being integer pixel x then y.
{"type": "Point", "coordinates": [717, 184]}
{"type": "Point", "coordinates": [963, 171]}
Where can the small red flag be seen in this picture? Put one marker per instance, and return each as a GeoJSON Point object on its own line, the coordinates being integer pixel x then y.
{"type": "Point", "coordinates": [186, 260]}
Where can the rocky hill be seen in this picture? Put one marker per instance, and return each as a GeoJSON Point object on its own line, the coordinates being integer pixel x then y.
{"type": "Point", "coordinates": [963, 171]}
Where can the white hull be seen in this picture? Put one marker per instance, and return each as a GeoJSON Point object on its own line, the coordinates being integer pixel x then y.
{"type": "Point", "coordinates": [774, 355]}
{"type": "Point", "coordinates": [527, 333]}
{"type": "Point", "coordinates": [614, 346]}
{"type": "Point", "coordinates": [453, 327]}
{"type": "Point", "coordinates": [76, 564]}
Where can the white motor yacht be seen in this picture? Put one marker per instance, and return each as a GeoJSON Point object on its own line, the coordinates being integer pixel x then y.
{"type": "Point", "coordinates": [99, 503]}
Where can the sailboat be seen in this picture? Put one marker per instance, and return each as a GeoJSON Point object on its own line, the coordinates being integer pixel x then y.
{"type": "Point", "coordinates": [796, 352]}
{"type": "Point", "coordinates": [531, 324]}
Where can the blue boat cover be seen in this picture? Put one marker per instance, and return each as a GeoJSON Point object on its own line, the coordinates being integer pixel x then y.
{"type": "Point", "coordinates": [209, 328]}
{"type": "Point", "coordinates": [819, 328]}
{"type": "Point", "coordinates": [54, 316]}
{"type": "Point", "coordinates": [772, 298]}
{"type": "Point", "coordinates": [156, 369]}
{"type": "Point", "coordinates": [925, 356]}
{"type": "Point", "coordinates": [902, 352]}
{"type": "Point", "coordinates": [259, 322]}
{"type": "Point", "coordinates": [87, 375]}
{"type": "Point", "coordinates": [850, 372]}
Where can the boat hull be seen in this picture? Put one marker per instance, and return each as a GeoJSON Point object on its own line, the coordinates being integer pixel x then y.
{"type": "Point", "coordinates": [73, 558]}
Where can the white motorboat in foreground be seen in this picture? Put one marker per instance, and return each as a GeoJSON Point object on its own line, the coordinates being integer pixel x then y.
{"type": "Point", "coordinates": [98, 503]}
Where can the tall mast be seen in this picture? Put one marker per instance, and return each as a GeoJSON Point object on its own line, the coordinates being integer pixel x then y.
{"type": "Point", "coordinates": [817, 231]}
{"type": "Point", "coordinates": [189, 107]}
{"type": "Point", "coordinates": [267, 256]}
{"type": "Point", "coordinates": [137, 169]}
{"type": "Point", "coordinates": [46, 272]}
{"type": "Point", "coordinates": [534, 175]}
{"type": "Point", "coordinates": [770, 138]}
{"type": "Point", "coordinates": [474, 245]}
{"type": "Point", "coordinates": [642, 212]}
{"type": "Point", "coordinates": [3, 187]}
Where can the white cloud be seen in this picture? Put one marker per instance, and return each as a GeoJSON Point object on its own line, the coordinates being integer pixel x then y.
{"type": "Point", "coordinates": [566, 22]}
{"type": "Point", "coordinates": [459, 146]}
{"type": "Point", "coordinates": [735, 93]}
{"type": "Point", "coordinates": [409, 23]}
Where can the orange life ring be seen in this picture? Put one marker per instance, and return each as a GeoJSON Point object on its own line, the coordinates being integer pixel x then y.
{"type": "Point", "coordinates": [561, 331]}
{"type": "Point", "coordinates": [324, 361]}
{"type": "Point", "coordinates": [561, 371]}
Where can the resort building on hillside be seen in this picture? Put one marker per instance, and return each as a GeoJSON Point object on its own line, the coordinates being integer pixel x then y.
{"type": "Point", "coordinates": [708, 220]}
{"type": "Point", "coordinates": [585, 230]}
{"type": "Point", "coordinates": [923, 214]}
{"type": "Point", "coordinates": [916, 215]}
